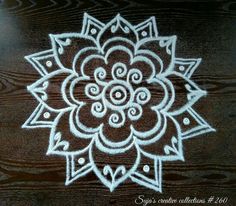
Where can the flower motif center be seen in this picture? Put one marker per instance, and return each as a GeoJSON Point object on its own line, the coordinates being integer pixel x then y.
{"type": "Point", "coordinates": [122, 95]}
{"type": "Point", "coordinates": [118, 95]}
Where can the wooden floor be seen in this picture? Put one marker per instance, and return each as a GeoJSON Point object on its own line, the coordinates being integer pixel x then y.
{"type": "Point", "coordinates": [204, 28]}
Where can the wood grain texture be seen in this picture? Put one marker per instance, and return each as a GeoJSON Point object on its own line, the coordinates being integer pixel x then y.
{"type": "Point", "coordinates": [204, 28]}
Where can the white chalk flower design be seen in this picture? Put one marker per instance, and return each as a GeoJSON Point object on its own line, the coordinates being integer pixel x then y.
{"type": "Point", "coordinates": [117, 100]}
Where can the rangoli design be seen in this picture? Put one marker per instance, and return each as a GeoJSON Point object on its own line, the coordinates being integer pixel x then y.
{"type": "Point", "coordinates": [117, 100]}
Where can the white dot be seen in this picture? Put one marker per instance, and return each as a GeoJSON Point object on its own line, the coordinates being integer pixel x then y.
{"type": "Point", "coordinates": [81, 161]}
{"type": "Point", "coordinates": [118, 94]}
{"type": "Point", "coordinates": [146, 168]}
{"type": "Point", "coordinates": [93, 31]}
{"type": "Point", "coordinates": [46, 115]}
{"type": "Point", "coordinates": [181, 68]}
{"type": "Point", "coordinates": [49, 63]}
{"type": "Point", "coordinates": [186, 121]}
{"type": "Point", "coordinates": [144, 33]}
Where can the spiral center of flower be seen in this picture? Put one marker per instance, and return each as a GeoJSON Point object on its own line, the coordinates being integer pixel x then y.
{"type": "Point", "coordinates": [118, 94]}
{"type": "Point", "coordinates": [122, 97]}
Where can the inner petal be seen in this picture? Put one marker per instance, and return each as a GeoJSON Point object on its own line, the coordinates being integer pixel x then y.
{"type": "Point", "coordinates": [77, 90]}
{"type": "Point", "coordinates": [147, 121]}
{"type": "Point", "coordinates": [120, 55]}
{"type": "Point", "coordinates": [117, 134]}
{"type": "Point", "coordinates": [87, 118]}
{"type": "Point", "coordinates": [160, 94]}
{"type": "Point", "coordinates": [145, 65]}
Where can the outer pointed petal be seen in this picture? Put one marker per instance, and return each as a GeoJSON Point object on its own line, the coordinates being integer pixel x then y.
{"type": "Point", "coordinates": [167, 147]}
{"type": "Point", "coordinates": [192, 124]}
{"type": "Point", "coordinates": [43, 62]}
{"type": "Point", "coordinates": [45, 88]}
{"type": "Point", "coordinates": [91, 26]}
{"type": "Point", "coordinates": [186, 66]}
{"type": "Point", "coordinates": [149, 173]}
{"type": "Point", "coordinates": [41, 117]}
{"type": "Point", "coordinates": [112, 175]}
{"type": "Point", "coordinates": [77, 166]}
{"type": "Point", "coordinates": [117, 28]}
{"type": "Point", "coordinates": [160, 50]}
{"type": "Point", "coordinates": [147, 29]}
{"type": "Point", "coordinates": [62, 141]}
{"type": "Point", "coordinates": [169, 43]}
{"type": "Point", "coordinates": [186, 93]}
{"type": "Point", "coordinates": [65, 46]}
